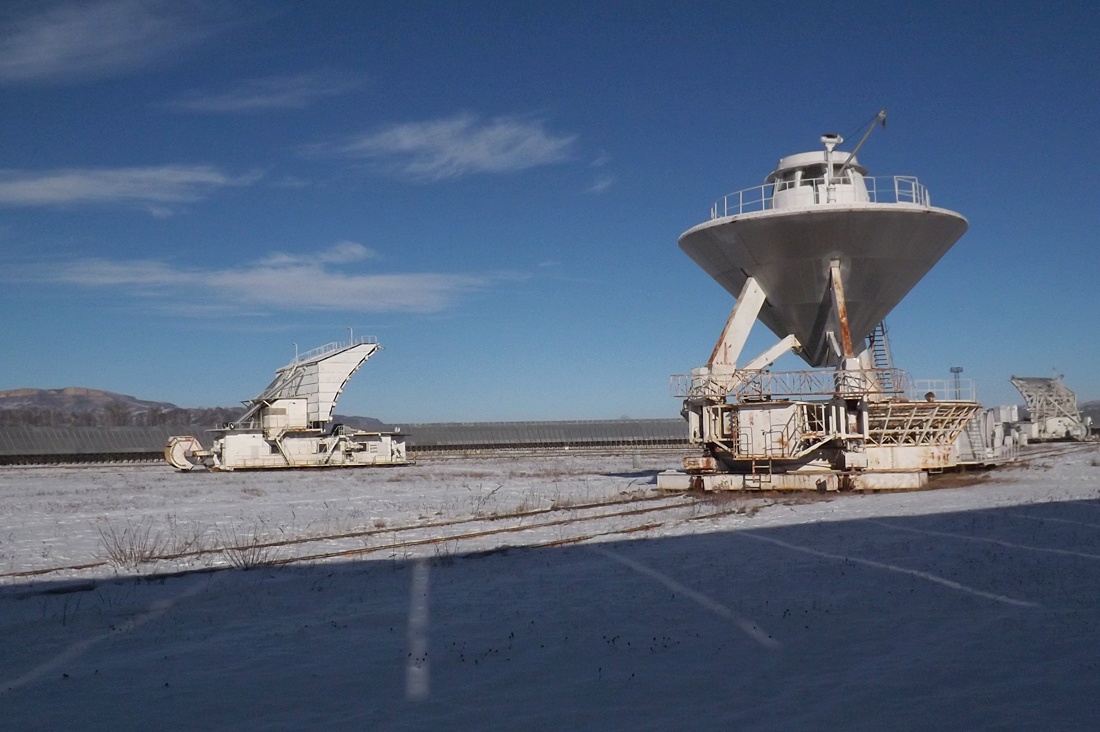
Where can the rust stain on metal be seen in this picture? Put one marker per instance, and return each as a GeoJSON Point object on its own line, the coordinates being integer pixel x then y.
{"type": "Point", "coordinates": [841, 308]}
{"type": "Point", "coordinates": [699, 464]}
{"type": "Point", "coordinates": [720, 354]}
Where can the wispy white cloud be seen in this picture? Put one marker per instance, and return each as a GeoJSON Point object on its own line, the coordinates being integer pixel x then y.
{"type": "Point", "coordinates": [64, 40]}
{"type": "Point", "coordinates": [106, 273]}
{"type": "Point", "coordinates": [343, 252]}
{"type": "Point", "coordinates": [278, 282]}
{"type": "Point", "coordinates": [290, 181]}
{"type": "Point", "coordinates": [460, 145]}
{"type": "Point", "coordinates": [316, 287]}
{"type": "Point", "coordinates": [154, 186]}
{"type": "Point", "coordinates": [601, 184]}
{"type": "Point", "coordinates": [277, 92]}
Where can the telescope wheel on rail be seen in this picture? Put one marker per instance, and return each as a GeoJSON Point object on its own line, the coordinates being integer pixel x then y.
{"type": "Point", "coordinates": [180, 452]}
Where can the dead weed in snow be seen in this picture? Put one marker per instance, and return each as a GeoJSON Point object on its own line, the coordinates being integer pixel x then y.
{"type": "Point", "coordinates": [132, 545]}
{"type": "Point", "coordinates": [247, 550]}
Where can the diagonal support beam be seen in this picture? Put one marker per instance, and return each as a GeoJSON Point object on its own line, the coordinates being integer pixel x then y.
{"type": "Point", "coordinates": [768, 357]}
{"type": "Point", "coordinates": [740, 322]}
{"type": "Point", "coordinates": [840, 307]}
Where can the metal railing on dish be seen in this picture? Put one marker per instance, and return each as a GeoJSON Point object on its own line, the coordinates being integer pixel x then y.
{"type": "Point", "coordinates": [881, 189]}
{"type": "Point", "coordinates": [334, 346]}
{"type": "Point", "coordinates": [942, 390]}
{"type": "Point", "coordinates": [750, 385]}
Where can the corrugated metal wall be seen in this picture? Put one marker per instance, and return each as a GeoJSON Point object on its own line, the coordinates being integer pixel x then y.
{"type": "Point", "coordinates": [548, 434]}
{"type": "Point", "coordinates": [24, 440]}
{"type": "Point", "coordinates": [144, 442]}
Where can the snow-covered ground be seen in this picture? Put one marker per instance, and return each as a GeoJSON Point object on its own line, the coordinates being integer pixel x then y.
{"type": "Point", "coordinates": [961, 608]}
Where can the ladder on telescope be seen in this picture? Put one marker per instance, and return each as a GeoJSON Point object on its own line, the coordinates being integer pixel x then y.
{"type": "Point", "coordinates": [761, 468]}
{"type": "Point", "coordinates": [976, 437]}
{"type": "Point", "coordinates": [881, 358]}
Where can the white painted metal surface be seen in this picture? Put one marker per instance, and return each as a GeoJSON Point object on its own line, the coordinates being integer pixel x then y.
{"type": "Point", "coordinates": [784, 234]}
{"type": "Point", "coordinates": [318, 377]}
{"type": "Point", "coordinates": [1052, 409]}
{"type": "Point", "coordinates": [288, 424]}
{"type": "Point", "coordinates": [820, 254]}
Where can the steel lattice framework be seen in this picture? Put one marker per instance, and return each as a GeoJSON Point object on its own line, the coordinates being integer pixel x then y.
{"type": "Point", "coordinates": [1052, 406]}
{"type": "Point", "coordinates": [917, 423]}
{"type": "Point", "coordinates": [1046, 398]}
{"type": "Point", "coordinates": [751, 385]}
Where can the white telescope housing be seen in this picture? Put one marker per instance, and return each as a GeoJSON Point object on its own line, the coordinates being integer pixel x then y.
{"type": "Point", "coordinates": [289, 425]}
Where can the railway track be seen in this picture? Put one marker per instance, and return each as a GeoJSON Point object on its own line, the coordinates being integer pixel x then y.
{"type": "Point", "coordinates": [428, 454]}
{"type": "Point", "coordinates": [1054, 449]}
{"type": "Point", "coordinates": [465, 452]}
{"type": "Point", "coordinates": [553, 526]}
{"type": "Point", "coordinates": [556, 525]}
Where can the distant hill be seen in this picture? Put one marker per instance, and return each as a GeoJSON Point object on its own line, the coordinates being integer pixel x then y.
{"type": "Point", "coordinates": [73, 399]}
{"type": "Point", "coordinates": [78, 406]}
{"type": "Point", "coordinates": [367, 424]}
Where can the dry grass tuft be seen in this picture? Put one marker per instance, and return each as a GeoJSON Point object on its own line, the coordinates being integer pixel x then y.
{"type": "Point", "coordinates": [133, 545]}
{"type": "Point", "coordinates": [190, 538]}
{"type": "Point", "coordinates": [528, 504]}
{"type": "Point", "coordinates": [445, 553]}
{"type": "Point", "coordinates": [248, 550]}
{"type": "Point", "coordinates": [562, 501]}
{"type": "Point", "coordinates": [481, 499]}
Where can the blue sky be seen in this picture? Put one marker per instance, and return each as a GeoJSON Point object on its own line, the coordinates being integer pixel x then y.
{"type": "Point", "coordinates": [496, 190]}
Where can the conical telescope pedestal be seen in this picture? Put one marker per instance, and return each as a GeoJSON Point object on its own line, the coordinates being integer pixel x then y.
{"type": "Point", "coordinates": [820, 254]}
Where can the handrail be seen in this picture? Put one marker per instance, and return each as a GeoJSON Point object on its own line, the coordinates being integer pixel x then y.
{"type": "Point", "coordinates": [287, 373]}
{"type": "Point", "coordinates": [761, 384]}
{"type": "Point", "coordinates": [943, 390]}
{"type": "Point", "coordinates": [758, 385]}
{"type": "Point", "coordinates": [879, 190]}
{"type": "Point", "coordinates": [335, 346]}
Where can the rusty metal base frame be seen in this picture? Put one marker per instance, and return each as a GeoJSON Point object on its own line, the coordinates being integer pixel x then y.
{"type": "Point", "coordinates": [672, 480]}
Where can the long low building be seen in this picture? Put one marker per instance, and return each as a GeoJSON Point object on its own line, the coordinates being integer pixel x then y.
{"type": "Point", "coordinates": [23, 444]}
{"type": "Point", "coordinates": [27, 445]}
{"type": "Point", "coordinates": [452, 436]}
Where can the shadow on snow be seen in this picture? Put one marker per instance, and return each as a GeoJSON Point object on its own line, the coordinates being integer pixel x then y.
{"type": "Point", "coordinates": [952, 621]}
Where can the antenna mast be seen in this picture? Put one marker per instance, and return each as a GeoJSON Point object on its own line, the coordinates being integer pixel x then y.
{"type": "Point", "coordinates": [880, 117]}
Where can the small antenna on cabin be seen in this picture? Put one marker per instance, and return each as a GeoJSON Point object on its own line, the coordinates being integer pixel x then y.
{"type": "Point", "coordinates": [881, 118]}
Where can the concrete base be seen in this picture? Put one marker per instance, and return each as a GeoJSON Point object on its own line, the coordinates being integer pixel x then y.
{"type": "Point", "coordinates": [672, 480]}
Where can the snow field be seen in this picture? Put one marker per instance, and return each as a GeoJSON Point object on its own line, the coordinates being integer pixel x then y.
{"type": "Point", "coordinates": [962, 608]}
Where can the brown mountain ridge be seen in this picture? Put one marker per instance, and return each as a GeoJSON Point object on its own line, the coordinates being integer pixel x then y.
{"type": "Point", "coordinates": [82, 407]}
{"type": "Point", "coordinates": [79, 406]}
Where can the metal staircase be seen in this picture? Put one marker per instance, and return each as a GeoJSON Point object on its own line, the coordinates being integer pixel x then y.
{"type": "Point", "coordinates": [978, 451]}
{"type": "Point", "coordinates": [880, 355]}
